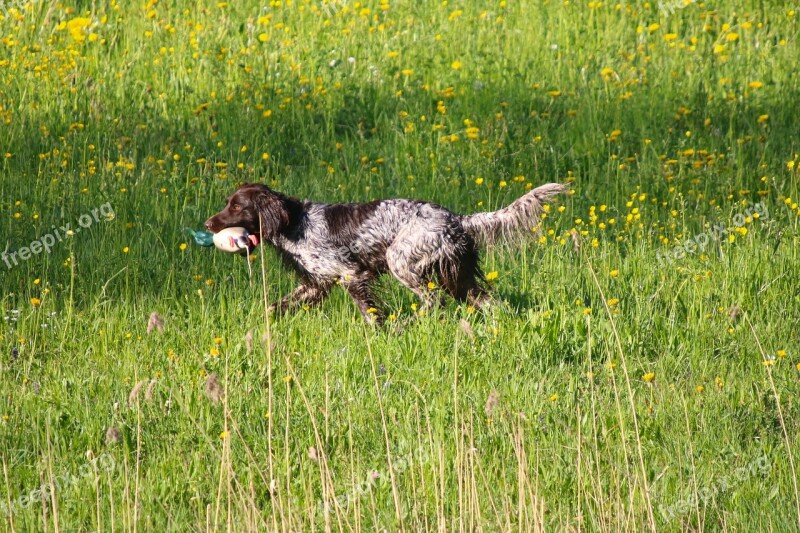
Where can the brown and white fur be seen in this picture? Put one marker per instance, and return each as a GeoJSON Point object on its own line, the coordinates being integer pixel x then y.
{"type": "Point", "coordinates": [352, 244]}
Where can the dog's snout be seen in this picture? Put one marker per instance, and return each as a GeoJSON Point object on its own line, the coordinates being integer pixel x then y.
{"type": "Point", "coordinates": [210, 225]}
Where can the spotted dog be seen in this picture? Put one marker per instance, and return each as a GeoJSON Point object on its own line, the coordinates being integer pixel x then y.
{"type": "Point", "coordinates": [352, 244]}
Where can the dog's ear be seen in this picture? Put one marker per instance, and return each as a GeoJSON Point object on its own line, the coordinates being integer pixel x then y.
{"type": "Point", "coordinates": [272, 212]}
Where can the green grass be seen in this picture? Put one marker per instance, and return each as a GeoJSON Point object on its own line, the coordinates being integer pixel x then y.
{"type": "Point", "coordinates": [556, 409]}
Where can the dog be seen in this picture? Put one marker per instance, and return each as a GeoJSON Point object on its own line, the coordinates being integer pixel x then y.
{"type": "Point", "coordinates": [419, 243]}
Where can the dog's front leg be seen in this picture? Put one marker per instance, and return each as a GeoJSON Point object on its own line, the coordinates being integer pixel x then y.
{"type": "Point", "coordinates": [302, 295]}
{"type": "Point", "coordinates": [359, 288]}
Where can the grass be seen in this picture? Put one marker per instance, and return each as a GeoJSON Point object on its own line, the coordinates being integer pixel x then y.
{"type": "Point", "coordinates": [616, 387]}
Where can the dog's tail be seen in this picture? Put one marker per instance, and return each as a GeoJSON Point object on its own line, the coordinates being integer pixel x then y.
{"type": "Point", "coordinates": [520, 216]}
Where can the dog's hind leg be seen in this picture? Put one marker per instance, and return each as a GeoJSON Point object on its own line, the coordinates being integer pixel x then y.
{"type": "Point", "coordinates": [463, 280]}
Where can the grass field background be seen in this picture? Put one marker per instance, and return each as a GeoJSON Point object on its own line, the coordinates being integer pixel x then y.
{"type": "Point", "coordinates": [616, 385]}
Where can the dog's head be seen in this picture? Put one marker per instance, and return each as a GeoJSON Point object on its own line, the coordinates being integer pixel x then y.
{"type": "Point", "coordinates": [256, 208]}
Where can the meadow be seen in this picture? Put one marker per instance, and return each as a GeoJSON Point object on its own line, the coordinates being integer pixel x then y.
{"type": "Point", "coordinates": [639, 371]}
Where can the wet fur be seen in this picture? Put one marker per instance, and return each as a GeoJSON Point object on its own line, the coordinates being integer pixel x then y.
{"type": "Point", "coordinates": [352, 244]}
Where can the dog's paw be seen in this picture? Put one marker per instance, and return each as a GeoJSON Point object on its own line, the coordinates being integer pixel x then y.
{"type": "Point", "coordinates": [373, 319]}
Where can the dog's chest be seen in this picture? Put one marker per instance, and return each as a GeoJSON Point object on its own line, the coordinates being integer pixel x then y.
{"type": "Point", "coordinates": [319, 259]}
{"type": "Point", "coordinates": [331, 248]}
{"type": "Point", "coordinates": [324, 262]}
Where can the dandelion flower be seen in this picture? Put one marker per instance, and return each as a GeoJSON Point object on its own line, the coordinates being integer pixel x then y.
{"type": "Point", "coordinates": [76, 28]}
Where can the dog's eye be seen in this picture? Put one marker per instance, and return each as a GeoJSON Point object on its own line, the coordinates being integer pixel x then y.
{"type": "Point", "coordinates": [236, 207]}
